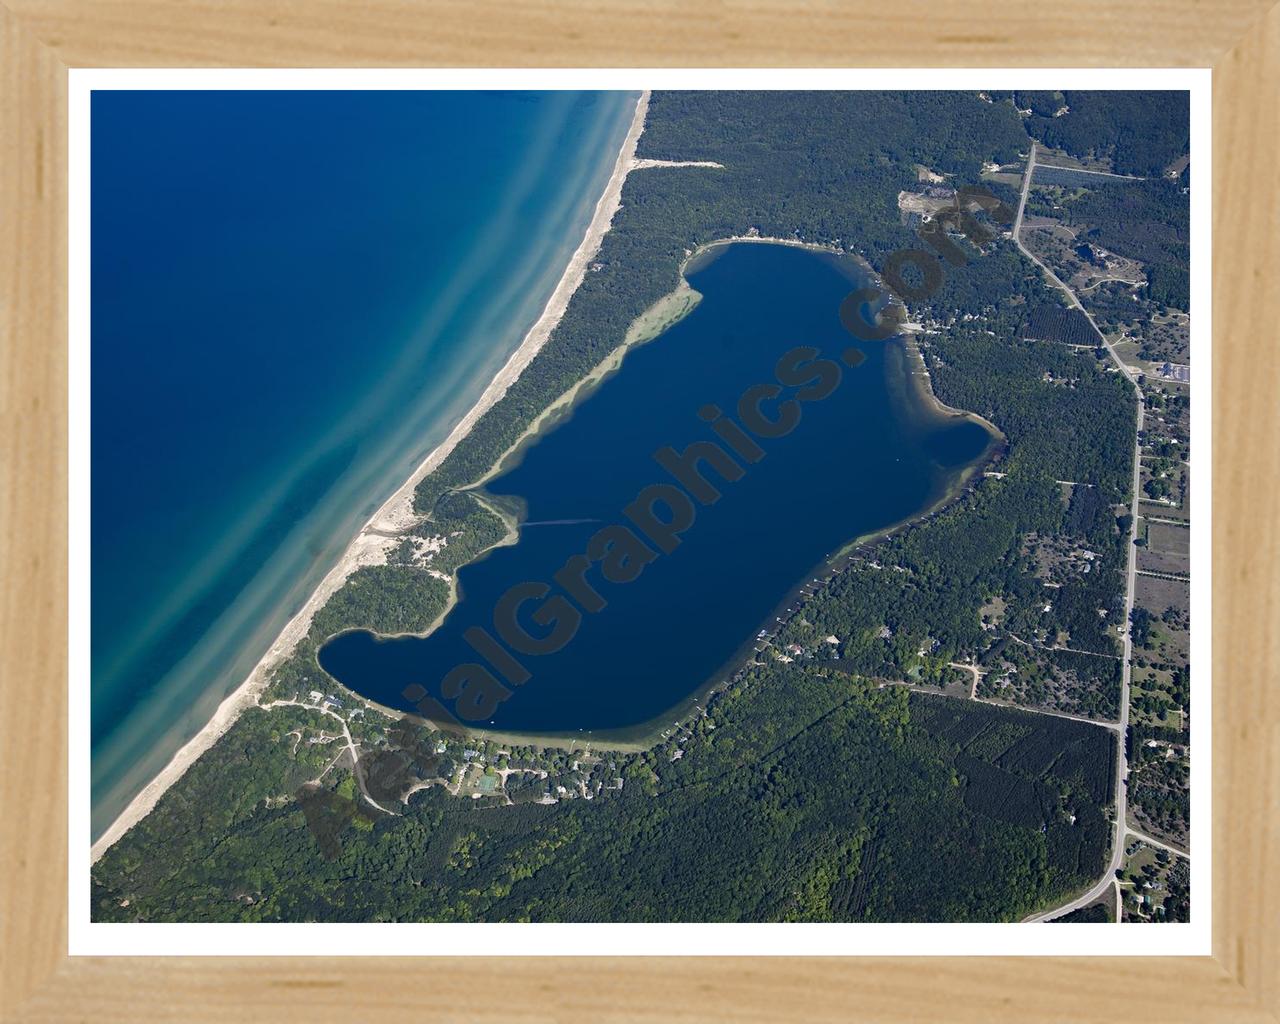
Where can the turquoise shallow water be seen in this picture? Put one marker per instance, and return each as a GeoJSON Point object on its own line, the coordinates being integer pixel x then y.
{"type": "Point", "coordinates": [295, 295]}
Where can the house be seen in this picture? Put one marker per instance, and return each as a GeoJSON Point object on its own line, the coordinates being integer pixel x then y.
{"type": "Point", "coordinates": [314, 696]}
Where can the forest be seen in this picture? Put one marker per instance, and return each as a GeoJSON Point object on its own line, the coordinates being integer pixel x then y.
{"type": "Point", "coordinates": [1053, 323]}
{"type": "Point", "coordinates": [804, 790]}
{"type": "Point", "coordinates": [822, 166]}
{"type": "Point", "coordinates": [802, 796]}
{"type": "Point", "coordinates": [1148, 221]}
{"type": "Point", "coordinates": [1141, 133]}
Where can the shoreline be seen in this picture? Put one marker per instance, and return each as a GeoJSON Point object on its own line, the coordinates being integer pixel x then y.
{"type": "Point", "coordinates": [664, 313]}
{"type": "Point", "coordinates": [639, 333]}
{"type": "Point", "coordinates": [654, 321]}
{"type": "Point", "coordinates": [921, 381]}
{"type": "Point", "coordinates": [370, 545]}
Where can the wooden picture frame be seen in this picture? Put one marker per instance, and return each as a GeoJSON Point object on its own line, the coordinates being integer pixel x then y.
{"type": "Point", "coordinates": [41, 39]}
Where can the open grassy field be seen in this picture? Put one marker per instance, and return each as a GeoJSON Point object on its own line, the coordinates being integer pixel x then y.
{"type": "Point", "coordinates": [1158, 594]}
{"type": "Point", "coordinates": [1168, 548]}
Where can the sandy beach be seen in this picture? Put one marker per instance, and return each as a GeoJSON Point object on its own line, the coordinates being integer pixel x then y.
{"type": "Point", "coordinates": [377, 536]}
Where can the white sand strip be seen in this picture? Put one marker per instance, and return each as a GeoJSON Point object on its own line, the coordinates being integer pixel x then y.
{"type": "Point", "coordinates": [370, 545]}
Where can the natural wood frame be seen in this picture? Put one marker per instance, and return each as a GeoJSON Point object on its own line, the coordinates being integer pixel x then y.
{"type": "Point", "coordinates": [40, 39]}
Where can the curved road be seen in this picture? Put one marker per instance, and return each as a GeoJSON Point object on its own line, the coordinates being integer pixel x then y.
{"type": "Point", "coordinates": [1120, 826]}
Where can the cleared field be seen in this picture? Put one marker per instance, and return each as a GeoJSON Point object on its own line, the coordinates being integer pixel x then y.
{"type": "Point", "coordinates": [956, 684]}
{"type": "Point", "coordinates": [1156, 595]}
{"type": "Point", "coordinates": [1126, 349]}
{"type": "Point", "coordinates": [1003, 177]}
{"type": "Point", "coordinates": [1061, 158]}
{"type": "Point", "coordinates": [1164, 337]}
{"type": "Point", "coordinates": [1072, 177]}
{"type": "Point", "coordinates": [1009, 174]}
{"type": "Point", "coordinates": [1154, 558]}
{"type": "Point", "coordinates": [1169, 539]}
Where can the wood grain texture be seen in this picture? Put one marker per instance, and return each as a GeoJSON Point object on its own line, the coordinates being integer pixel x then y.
{"type": "Point", "coordinates": [33, 511]}
{"type": "Point", "coordinates": [647, 991]}
{"type": "Point", "coordinates": [1246, 541]}
{"type": "Point", "coordinates": [40, 38]}
{"type": "Point", "coordinates": [652, 33]}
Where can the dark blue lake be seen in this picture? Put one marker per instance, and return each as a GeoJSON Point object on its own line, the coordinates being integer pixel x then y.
{"type": "Point", "coordinates": [872, 453]}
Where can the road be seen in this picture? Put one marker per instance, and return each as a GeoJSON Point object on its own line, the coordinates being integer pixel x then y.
{"type": "Point", "coordinates": [1130, 375]}
{"type": "Point", "coordinates": [973, 696]}
{"type": "Point", "coordinates": [351, 743]}
{"type": "Point", "coordinates": [1099, 722]}
{"type": "Point", "coordinates": [969, 667]}
{"type": "Point", "coordinates": [1122, 727]}
{"type": "Point", "coordinates": [1058, 647]}
{"type": "Point", "coordinates": [1101, 174]}
{"type": "Point", "coordinates": [1158, 844]}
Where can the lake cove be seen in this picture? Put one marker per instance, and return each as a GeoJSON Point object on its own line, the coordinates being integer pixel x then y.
{"type": "Point", "coordinates": [612, 610]}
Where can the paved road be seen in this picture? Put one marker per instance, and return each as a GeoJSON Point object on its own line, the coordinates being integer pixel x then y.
{"type": "Point", "coordinates": [1122, 763]}
{"type": "Point", "coordinates": [1130, 375]}
{"type": "Point", "coordinates": [1027, 173]}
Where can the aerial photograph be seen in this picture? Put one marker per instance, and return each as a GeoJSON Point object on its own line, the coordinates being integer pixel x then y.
{"type": "Point", "coordinates": [640, 506]}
